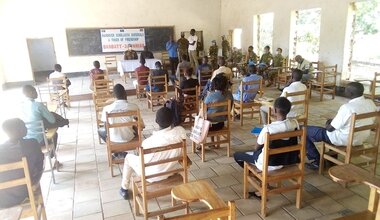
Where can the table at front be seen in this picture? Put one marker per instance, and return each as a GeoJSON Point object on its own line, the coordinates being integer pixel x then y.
{"type": "Point", "coordinates": [129, 66]}
{"type": "Point", "coordinates": [13, 213]}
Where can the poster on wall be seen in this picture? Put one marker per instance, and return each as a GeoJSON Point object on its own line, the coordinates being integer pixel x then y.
{"type": "Point", "coordinates": [117, 40]}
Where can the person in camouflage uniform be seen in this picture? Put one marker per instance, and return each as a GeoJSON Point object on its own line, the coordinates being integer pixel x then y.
{"type": "Point", "coordinates": [225, 47]}
{"type": "Point", "coordinates": [213, 51]}
{"type": "Point", "coordinates": [278, 61]}
{"type": "Point", "coordinates": [251, 56]}
{"type": "Point", "coordinates": [130, 54]}
{"type": "Point", "coordinates": [183, 46]}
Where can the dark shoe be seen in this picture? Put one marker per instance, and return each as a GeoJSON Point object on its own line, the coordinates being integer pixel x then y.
{"type": "Point", "coordinates": [253, 194]}
{"type": "Point", "coordinates": [280, 89]}
{"type": "Point", "coordinates": [124, 193]}
{"type": "Point", "coordinates": [312, 165]}
{"type": "Point", "coordinates": [122, 155]}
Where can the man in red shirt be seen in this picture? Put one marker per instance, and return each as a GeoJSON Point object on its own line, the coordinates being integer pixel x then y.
{"type": "Point", "coordinates": [141, 80]}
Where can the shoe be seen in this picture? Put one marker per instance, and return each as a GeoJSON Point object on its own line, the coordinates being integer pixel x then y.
{"type": "Point", "coordinates": [122, 155]}
{"type": "Point", "coordinates": [312, 165]}
{"type": "Point", "coordinates": [280, 89]}
{"type": "Point", "coordinates": [124, 193]}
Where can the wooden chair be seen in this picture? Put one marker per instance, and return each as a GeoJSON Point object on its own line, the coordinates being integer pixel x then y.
{"type": "Point", "coordinates": [292, 63]}
{"type": "Point", "coordinates": [189, 102]}
{"type": "Point", "coordinates": [374, 86]}
{"type": "Point", "coordinates": [59, 94]}
{"type": "Point", "coordinates": [35, 207]}
{"type": "Point", "coordinates": [229, 212]}
{"type": "Point", "coordinates": [142, 81]}
{"type": "Point", "coordinates": [103, 87]}
{"type": "Point", "coordinates": [303, 104]}
{"type": "Point", "coordinates": [203, 78]}
{"type": "Point", "coordinates": [153, 97]}
{"type": "Point", "coordinates": [253, 107]}
{"type": "Point", "coordinates": [325, 82]}
{"type": "Point", "coordinates": [365, 154]}
{"type": "Point", "coordinates": [111, 64]}
{"type": "Point", "coordinates": [100, 102]}
{"type": "Point", "coordinates": [223, 136]}
{"type": "Point", "coordinates": [283, 76]}
{"type": "Point", "coordinates": [293, 173]}
{"type": "Point", "coordinates": [120, 120]}
{"type": "Point", "coordinates": [318, 65]}
{"type": "Point", "coordinates": [143, 190]}
{"type": "Point", "coordinates": [165, 60]}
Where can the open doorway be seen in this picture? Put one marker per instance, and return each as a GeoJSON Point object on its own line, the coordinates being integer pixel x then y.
{"type": "Point", "coordinates": [42, 57]}
{"type": "Point", "coordinates": [262, 32]}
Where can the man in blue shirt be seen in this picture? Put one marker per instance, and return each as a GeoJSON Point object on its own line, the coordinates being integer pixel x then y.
{"type": "Point", "coordinates": [204, 67]}
{"type": "Point", "coordinates": [171, 47]}
{"type": "Point", "coordinates": [248, 77]}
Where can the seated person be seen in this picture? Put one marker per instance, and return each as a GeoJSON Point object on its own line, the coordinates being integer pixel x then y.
{"type": "Point", "coordinates": [222, 69]}
{"type": "Point", "coordinates": [95, 74]}
{"type": "Point", "coordinates": [337, 130]}
{"type": "Point", "coordinates": [295, 86]}
{"type": "Point", "coordinates": [278, 61]}
{"type": "Point", "coordinates": [142, 68]}
{"type": "Point", "coordinates": [305, 66]}
{"type": "Point", "coordinates": [189, 82]}
{"type": "Point", "coordinates": [158, 72]}
{"type": "Point", "coordinates": [251, 56]}
{"type": "Point", "coordinates": [248, 77]}
{"type": "Point", "coordinates": [282, 124]}
{"type": "Point", "coordinates": [165, 136]}
{"type": "Point", "coordinates": [184, 64]}
{"type": "Point", "coordinates": [12, 151]}
{"type": "Point", "coordinates": [204, 67]}
{"type": "Point", "coordinates": [146, 54]}
{"type": "Point", "coordinates": [57, 74]}
{"type": "Point", "coordinates": [130, 54]}
{"type": "Point", "coordinates": [266, 58]}
{"type": "Point", "coordinates": [219, 93]}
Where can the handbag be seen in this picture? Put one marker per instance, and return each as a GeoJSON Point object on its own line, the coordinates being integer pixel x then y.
{"type": "Point", "coordinates": [200, 130]}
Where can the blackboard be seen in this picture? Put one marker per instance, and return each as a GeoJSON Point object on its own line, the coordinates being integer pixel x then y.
{"type": "Point", "coordinates": [87, 41]}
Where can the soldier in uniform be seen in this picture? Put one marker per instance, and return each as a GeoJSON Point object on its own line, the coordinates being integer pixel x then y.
{"type": "Point", "coordinates": [183, 46]}
{"type": "Point", "coordinates": [251, 56]}
{"type": "Point", "coordinates": [130, 54]}
{"type": "Point", "coordinates": [213, 52]}
{"type": "Point", "coordinates": [278, 61]}
{"type": "Point", "coordinates": [225, 47]}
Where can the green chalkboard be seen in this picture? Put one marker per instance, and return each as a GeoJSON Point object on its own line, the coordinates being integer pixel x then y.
{"type": "Point", "coordinates": [87, 41]}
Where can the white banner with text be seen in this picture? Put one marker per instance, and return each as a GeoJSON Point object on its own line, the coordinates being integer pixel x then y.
{"type": "Point", "coordinates": [117, 40]}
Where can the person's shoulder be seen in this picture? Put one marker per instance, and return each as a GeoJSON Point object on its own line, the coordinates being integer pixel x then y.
{"type": "Point", "coordinates": [29, 142]}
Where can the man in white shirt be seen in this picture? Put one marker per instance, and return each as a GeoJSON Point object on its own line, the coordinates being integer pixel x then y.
{"type": "Point", "coordinates": [165, 136]}
{"type": "Point", "coordinates": [295, 86]}
{"type": "Point", "coordinates": [337, 130]}
{"type": "Point", "coordinates": [123, 134]}
{"type": "Point", "coordinates": [222, 69]}
{"type": "Point", "coordinates": [305, 66]}
{"type": "Point", "coordinates": [193, 40]}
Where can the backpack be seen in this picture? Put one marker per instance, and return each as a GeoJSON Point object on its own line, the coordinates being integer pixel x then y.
{"type": "Point", "coordinates": [175, 106]}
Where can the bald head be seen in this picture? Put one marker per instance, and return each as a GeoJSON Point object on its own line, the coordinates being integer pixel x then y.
{"type": "Point", "coordinates": [354, 90]}
{"type": "Point", "coordinates": [29, 91]}
{"type": "Point", "coordinates": [15, 129]}
{"type": "Point", "coordinates": [298, 58]}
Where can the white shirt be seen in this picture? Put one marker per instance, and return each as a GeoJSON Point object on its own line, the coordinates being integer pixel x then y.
{"type": "Point", "coordinates": [191, 39]}
{"type": "Point", "coordinates": [56, 74]}
{"type": "Point", "coordinates": [123, 134]}
{"type": "Point", "coordinates": [305, 65]}
{"type": "Point", "coordinates": [274, 128]}
{"type": "Point", "coordinates": [342, 121]}
{"type": "Point", "coordinates": [160, 138]}
{"type": "Point", "coordinates": [296, 110]}
{"type": "Point", "coordinates": [223, 69]}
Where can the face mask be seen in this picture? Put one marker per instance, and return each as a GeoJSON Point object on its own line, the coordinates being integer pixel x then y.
{"type": "Point", "coordinates": [129, 48]}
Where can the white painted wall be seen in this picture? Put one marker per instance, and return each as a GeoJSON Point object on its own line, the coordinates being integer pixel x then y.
{"type": "Point", "coordinates": [239, 14]}
{"type": "Point", "coordinates": [21, 19]}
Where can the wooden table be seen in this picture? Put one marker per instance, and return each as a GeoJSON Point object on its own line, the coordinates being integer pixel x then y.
{"type": "Point", "coordinates": [198, 191]}
{"type": "Point", "coordinates": [13, 213]}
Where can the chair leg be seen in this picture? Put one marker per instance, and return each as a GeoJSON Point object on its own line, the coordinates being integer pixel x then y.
{"type": "Point", "coordinates": [321, 95]}
{"type": "Point", "coordinates": [203, 152]}
{"type": "Point", "coordinates": [241, 115]}
{"type": "Point", "coordinates": [264, 200]}
{"type": "Point", "coordinates": [245, 182]}
{"type": "Point", "coordinates": [136, 208]}
{"type": "Point", "coordinates": [229, 145]}
{"type": "Point", "coordinates": [51, 168]}
{"type": "Point", "coordinates": [321, 159]}
{"type": "Point", "coordinates": [193, 145]}
{"type": "Point", "coordinates": [299, 193]}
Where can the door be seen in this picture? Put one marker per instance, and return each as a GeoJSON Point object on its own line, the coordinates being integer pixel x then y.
{"type": "Point", "coordinates": [42, 57]}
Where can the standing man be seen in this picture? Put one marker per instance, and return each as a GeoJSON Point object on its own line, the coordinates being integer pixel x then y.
{"type": "Point", "coordinates": [130, 54]}
{"type": "Point", "coordinates": [183, 46]}
{"type": "Point", "coordinates": [225, 47]}
{"type": "Point", "coordinates": [193, 39]}
{"type": "Point", "coordinates": [213, 51]}
{"type": "Point", "coordinates": [172, 47]}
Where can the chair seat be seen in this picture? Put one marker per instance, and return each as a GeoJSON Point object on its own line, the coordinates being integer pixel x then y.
{"type": "Point", "coordinates": [159, 188]}
{"type": "Point", "coordinates": [366, 215]}
{"type": "Point", "coordinates": [246, 104]}
{"type": "Point", "coordinates": [286, 171]}
{"type": "Point", "coordinates": [224, 130]}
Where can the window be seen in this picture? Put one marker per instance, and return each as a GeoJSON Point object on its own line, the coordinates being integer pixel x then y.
{"type": "Point", "coordinates": [263, 32]}
{"type": "Point", "coordinates": [362, 55]}
{"type": "Point", "coordinates": [305, 32]}
{"type": "Point", "coordinates": [236, 38]}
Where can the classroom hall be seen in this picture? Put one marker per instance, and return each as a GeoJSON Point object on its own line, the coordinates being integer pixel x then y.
{"type": "Point", "coordinates": [115, 131]}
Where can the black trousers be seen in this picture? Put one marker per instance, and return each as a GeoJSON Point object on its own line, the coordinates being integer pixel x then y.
{"type": "Point", "coordinates": [173, 64]}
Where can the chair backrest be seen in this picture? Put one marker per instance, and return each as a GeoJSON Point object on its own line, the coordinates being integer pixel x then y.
{"type": "Point", "coordinates": [317, 65]}
{"type": "Point", "coordinates": [110, 61]}
{"type": "Point", "coordinates": [165, 57]}
{"type": "Point", "coordinates": [119, 120]}
{"type": "Point", "coordinates": [181, 159]}
{"type": "Point", "coordinates": [251, 87]}
{"type": "Point", "coordinates": [300, 100]}
{"type": "Point", "coordinates": [142, 77]}
{"type": "Point", "coordinates": [189, 97]}
{"type": "Point", "coordinates": [103, 87]}
{"type": "Point", "coordinates": [228, 211]}
{"type": "Point", "coordinates": [204, 76]}
{"type": "Point", "coordinates": [292, 63]}
{"type": "Point", "coordinates": [375, 83]}
{"type": "Point", "coordinates": [223, 109]}
{"type": "Point", "coordinates": [37, 128]}
{"type": "Point", "coordinates": [160, 82]}
{"type": "Point", "coordinates": [329, 74]}
{"type": "Point", "coordinates": [298, 147]}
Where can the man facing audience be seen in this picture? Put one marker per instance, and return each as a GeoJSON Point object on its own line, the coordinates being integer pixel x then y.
{"type": "Point", "coordinates": [12, 151]}
{"type": "Point", "coordinates": [337, 130]}
{"type": "Point", "coordinates": [130, 54]}
{"type": "Point", "coordinates": [225, 47]}
{"type": "Point", "coordinates": [193, 42]}
{"type": "Point", "coordinates": [183, 46]}
{"type": "Point", "coordinates": [171, 47]}
{"type": "Point", "coordinates": [165, 136]}
{"type": "Point", "coordinates": [146, 54]}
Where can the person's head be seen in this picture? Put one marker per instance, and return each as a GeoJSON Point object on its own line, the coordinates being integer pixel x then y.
{"type": "Point", "coordinates": [15, 129]}
{"type": "Point", "coordinates": [282, 107]}
{"type": "Point", "coordinates": [205, 60]}
{"type": "Point", "coordinates": [182, 34]}
{"type": "Point", "coordinates": [354, 90]}
{"type": "Point", "coordinates": [142, 61]}
{"type": "Point", "coordinates": [96, 64]}
{"type": "Point", "coordinates": [250, 48]}
{"type": "Point", "coordinates": [158, 65]}
{"type": "Point", "coordinates": [164, 117]}
{"type": "Point", "coordinates": [279, 50]}
{"type": "Point", "coordinates": [220, 82]}
{"type": "Point", "coordinates": [192, 32]}
{"type": "Point", "coordinates": [184, 57]}
{"type": "Point", "coordinates": [171, 38]}
{"type": "Point", "coordinates": [119, 92]}
{"type": "Point", "coordinates": [129, 46]}
{"type": "Point", "coordinates": [252, 68]}
{"type": "Point", "coordinates": [145, 48]}
{"type": "Point", "coordinates": [188, 72]}
{"type": "Point", "coordinates": [29, 91]}
{"type": "Point", "coordinates": [221, 61]}
{"type": "Point", "coordinates": [243, 72]}
{"type": "Point", "coordinates": [296, 75]}
{"type": "Point", "coordinates": [57, 67]}
{"type": "Point", "coordinates": [213, 42]}
{"type": "Point", "coordinates": [298, 58]}
{"type": "Point", "coordinates": [223, 37]}
{"type": "Point", "coordinates": [266, 49]}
